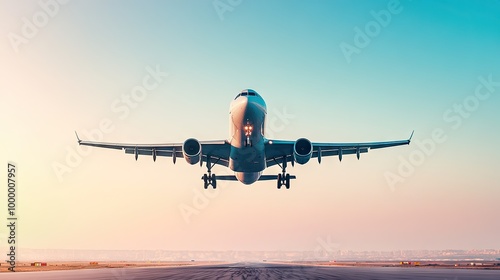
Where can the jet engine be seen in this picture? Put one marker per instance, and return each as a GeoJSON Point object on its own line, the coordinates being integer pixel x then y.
{"type": "Point", "coordinates": [302, 151]}
{"type": "Point", "coordinates": [191, 150]}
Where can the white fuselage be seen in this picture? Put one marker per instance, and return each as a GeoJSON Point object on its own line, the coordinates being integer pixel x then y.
{"type": "Point", "coordinates": [247, 116]}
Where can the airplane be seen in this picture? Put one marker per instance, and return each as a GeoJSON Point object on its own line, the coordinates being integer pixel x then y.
{"type": "Point", "coordinates": [247, 152]}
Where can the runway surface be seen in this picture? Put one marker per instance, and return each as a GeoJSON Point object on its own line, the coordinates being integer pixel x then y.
{"type": "Point", "coordinates": [248, 271]}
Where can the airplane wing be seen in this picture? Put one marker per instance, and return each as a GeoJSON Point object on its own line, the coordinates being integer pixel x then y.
{"type": "Point", "coordinates": [217, 151]}
{"type": "Point", "coordinates": [278, 151]}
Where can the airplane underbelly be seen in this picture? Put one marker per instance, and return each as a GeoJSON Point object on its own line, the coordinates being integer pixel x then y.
{"type": "Point", "coordinates": [248, 178]}
{"type": "Point", "coordinates": [247, 159]}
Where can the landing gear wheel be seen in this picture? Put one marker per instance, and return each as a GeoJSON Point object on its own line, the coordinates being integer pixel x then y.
{"type": "Point", "coordinates": [205, 181]}
{"type": "Point", "coordinates": [279, 181]}
{"type": "Point", "coordinates": [214, 181]}
{"type": "Point", "coordinates": [287, 181]}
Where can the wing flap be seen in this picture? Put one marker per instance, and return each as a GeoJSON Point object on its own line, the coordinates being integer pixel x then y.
{"type": "Point", "coordinates": [335, 152]}
{"type": "Point", "coordinates": [149, 152]}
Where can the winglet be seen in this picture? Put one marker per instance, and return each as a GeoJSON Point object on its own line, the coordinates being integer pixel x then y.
{"type": "Point", "coordinates": [78, 138]}
{"type": "Point", "coordinates": [409, 139]}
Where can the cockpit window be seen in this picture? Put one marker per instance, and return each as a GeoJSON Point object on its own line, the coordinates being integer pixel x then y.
{"type": "Point", "coordinates": [241, 94]}
{"type": "Point", "coordinates": [248, 92]}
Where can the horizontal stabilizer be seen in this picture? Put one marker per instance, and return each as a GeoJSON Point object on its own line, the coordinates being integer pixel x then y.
{"type": "Point", "coordinates": [226, 177]}
{"type": "Point", "coordinates": [262, 178]}
{"type": "Point", "coordinates": [273, 177]}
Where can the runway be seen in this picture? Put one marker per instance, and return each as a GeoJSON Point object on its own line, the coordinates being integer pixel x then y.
{"type": "Point", "coordinates": [250, 271]}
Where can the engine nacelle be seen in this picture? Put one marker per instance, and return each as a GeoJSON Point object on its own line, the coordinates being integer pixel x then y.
{"type": "Point", "coordinates": [191, 150]}
{"type": "Point", "coordinates": [302, 151]}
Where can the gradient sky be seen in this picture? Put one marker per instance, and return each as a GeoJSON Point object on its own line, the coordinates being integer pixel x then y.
{"type": "Point", "coordinates": [412, 75]}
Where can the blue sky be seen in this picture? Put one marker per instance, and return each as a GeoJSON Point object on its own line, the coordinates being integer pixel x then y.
{"type": "Point", "coordinates": [427, 58]}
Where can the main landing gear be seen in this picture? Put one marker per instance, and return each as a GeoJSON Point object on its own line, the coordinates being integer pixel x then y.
{"type": "Point", "coordinates": [209, 179]}
{"type": "Point", "coordinates": [283, 177]}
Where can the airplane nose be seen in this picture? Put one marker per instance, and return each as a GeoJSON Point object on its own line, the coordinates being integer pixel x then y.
{"type": "Point", "coordinates": [240, 104]}
{"type": "Point", "coordinates": [242, 100]}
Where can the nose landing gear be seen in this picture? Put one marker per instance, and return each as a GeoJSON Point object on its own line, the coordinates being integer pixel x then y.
{"type": "Point", "coordinates": [248, 128]}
